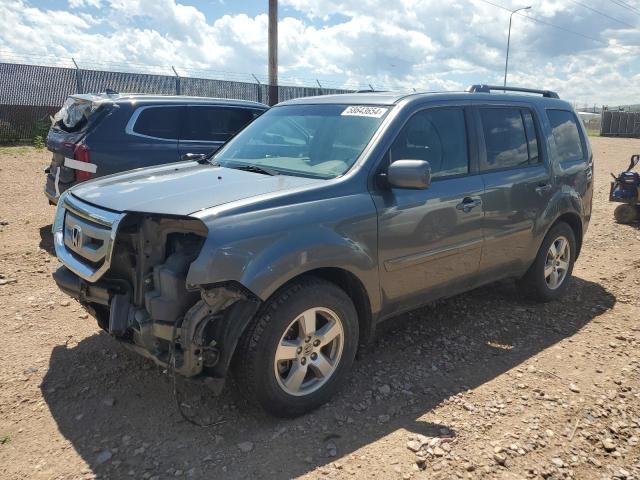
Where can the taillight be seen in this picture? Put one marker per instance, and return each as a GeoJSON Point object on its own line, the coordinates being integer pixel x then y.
{"type": "Point", "coordinates": [81, 153]}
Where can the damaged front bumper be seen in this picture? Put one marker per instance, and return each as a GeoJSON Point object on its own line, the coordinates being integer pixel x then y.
{"type": "Point", "coordinates": [130, 273]}
{"type": "Point", "coordinates": [201, 343]}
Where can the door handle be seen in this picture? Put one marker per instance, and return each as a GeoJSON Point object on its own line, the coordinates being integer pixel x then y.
{"type": "Point", "coordinates": [468, 204]}
{"type": "Point", "coordinates": [543, 188]}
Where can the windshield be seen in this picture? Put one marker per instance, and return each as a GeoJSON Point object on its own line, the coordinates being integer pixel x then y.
{"type": "Point", "coordinates": [320, 141]}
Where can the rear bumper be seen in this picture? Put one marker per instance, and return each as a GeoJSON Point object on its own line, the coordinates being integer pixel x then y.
{"type": "Point", "coordinates": [51, 196]}
{"type": "Point", "coordinates": [54, 187]}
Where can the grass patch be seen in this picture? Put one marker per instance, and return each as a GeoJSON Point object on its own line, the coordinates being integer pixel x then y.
{"type": "Point", "coordinates": [593, 133]}
{"type": "Point", "coordinates": [5, 439]}
{"type": "Point", "coordinates": [16, 150]}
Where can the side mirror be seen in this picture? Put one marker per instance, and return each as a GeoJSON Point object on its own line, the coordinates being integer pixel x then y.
{"type": "Point", "coordinates": [410, 174]}
{"type": "Point", "coordinates": [193, 156]}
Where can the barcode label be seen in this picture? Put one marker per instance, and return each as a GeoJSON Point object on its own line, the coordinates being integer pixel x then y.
{"type": "Point", "coordinates": [363, 111]}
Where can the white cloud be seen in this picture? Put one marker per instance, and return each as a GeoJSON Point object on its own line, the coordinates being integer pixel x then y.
{"type": "Point", "coordinates": [83, 3]}
{"type": "Point", "coordinates": [422, 44]}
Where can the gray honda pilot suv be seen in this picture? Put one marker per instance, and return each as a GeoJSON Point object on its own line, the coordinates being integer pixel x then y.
{"type": "Point", "coordinates": [279, 254]}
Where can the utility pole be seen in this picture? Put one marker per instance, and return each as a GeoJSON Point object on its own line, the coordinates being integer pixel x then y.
{"type": "Point", "coordinates": [273, 52]}
{"type": "Point", "coordinates": [506, 63]}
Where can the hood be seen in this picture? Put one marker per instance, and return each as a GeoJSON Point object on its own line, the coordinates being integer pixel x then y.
{"type": "Point", "coordinates": [181, 188]}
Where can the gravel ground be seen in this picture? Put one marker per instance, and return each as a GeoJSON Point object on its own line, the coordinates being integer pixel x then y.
{"type": "Point", "coordinates": [483, 385]}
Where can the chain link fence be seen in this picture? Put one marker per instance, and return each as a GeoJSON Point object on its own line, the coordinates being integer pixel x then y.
{"type": "Point", "coordinates": [29, 94]}
{"type": "Point", "coordinates": [620, 124]}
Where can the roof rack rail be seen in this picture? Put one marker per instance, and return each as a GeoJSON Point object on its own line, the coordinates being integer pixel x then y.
{"type": "Point", "coordinates": [488, 88]}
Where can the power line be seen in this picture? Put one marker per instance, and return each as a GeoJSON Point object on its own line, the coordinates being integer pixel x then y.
{"type": "Point", "coordinates": [626, 6]}
{"type": "Point", "coordinates": [543, 22]}
{"type": "Point", "coordinates": [603, 14]}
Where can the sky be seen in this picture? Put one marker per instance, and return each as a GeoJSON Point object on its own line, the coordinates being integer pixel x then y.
{"type": "Point", "coordinates": [587, 50]}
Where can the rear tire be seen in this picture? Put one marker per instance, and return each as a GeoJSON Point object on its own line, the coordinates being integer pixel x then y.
{"type": "Point", "coordinates": [626, 213]}
{"type": "Point", "coordinates": [299, 349]}
{"type": "Point", "coordinates": [549, 275]}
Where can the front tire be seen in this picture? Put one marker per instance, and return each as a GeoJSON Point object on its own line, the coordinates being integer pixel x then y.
{"type": "Point", "coordinates": [548, 277]}
{"type": "Point", "coordinates": [299, 349]}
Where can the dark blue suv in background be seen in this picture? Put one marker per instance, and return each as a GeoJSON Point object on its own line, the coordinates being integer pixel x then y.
{"type": "Point", "coordinates": [99, 134]}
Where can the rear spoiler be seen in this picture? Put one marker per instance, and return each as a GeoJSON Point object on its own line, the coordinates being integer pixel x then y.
{"type": "Point", "coordinates": [93, 97]}
{"type": "Point", "coordinates": [80, 105]}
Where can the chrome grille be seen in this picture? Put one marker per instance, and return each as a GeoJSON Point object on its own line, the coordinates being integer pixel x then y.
{"type": "Point", "coordinates": [84, 236]}
{"type": "Point", "coordinates": [87, 239]}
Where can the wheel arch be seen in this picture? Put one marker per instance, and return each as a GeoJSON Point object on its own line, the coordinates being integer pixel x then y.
{"type": "Point", "coordinates": [350, 284]}
{"type": "Point", "coordinates": [342, 278]}
{"type": "Point", "coordinates": [355, 290]}
{"type": "Point", "coordinates": [575, 222]}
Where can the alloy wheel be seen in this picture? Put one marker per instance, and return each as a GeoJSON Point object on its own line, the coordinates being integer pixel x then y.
{"type": "Point", "coordinates": [309, 351]}
{"type": "Point", "coordinates": [556, 265]}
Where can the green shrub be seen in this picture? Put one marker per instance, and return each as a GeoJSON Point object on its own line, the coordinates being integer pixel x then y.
{"type": "Point", "coordinates": [41, 129]}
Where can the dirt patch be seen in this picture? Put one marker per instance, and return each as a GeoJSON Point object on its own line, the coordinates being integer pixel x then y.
{"type": "Point", "coordinates": [484, 385]}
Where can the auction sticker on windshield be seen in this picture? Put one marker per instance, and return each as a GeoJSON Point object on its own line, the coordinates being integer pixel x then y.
{"type": "Point", "coordinates": [364, 111]}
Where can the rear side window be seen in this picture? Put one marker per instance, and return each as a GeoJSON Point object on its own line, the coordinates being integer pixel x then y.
{"type": "Point", "coordinates": [158, 122]}
{"type": "Point", "coordinates": [505, 138]}
{"type": "Point", "coordinates": [437, 135]}
{"type": "Point", "coordinates": [532, 137]}
{"type": "Point", "coordinates": [216, 124]}
{"type": "Point", "coordinates": [566, 135]}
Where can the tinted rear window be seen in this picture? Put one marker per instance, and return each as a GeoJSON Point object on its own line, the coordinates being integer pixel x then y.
{"type": "Point", "coordinates": [158, 122]}
{"type": "Point", "coordinates": [566, 135]}
{"type": "Point", "coordinates": [505, 138]}
{"type": "Point", "coordinates": [216, 124]}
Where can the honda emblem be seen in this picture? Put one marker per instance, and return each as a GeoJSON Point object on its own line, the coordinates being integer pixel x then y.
{"type": "Point", "coordinates": [76, 236]}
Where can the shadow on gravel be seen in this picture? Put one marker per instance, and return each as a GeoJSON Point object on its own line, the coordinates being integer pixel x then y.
{"type": "Point", "coordinates": [118, 412]}
{"type": "Point", "coordinates": [46, 240]}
